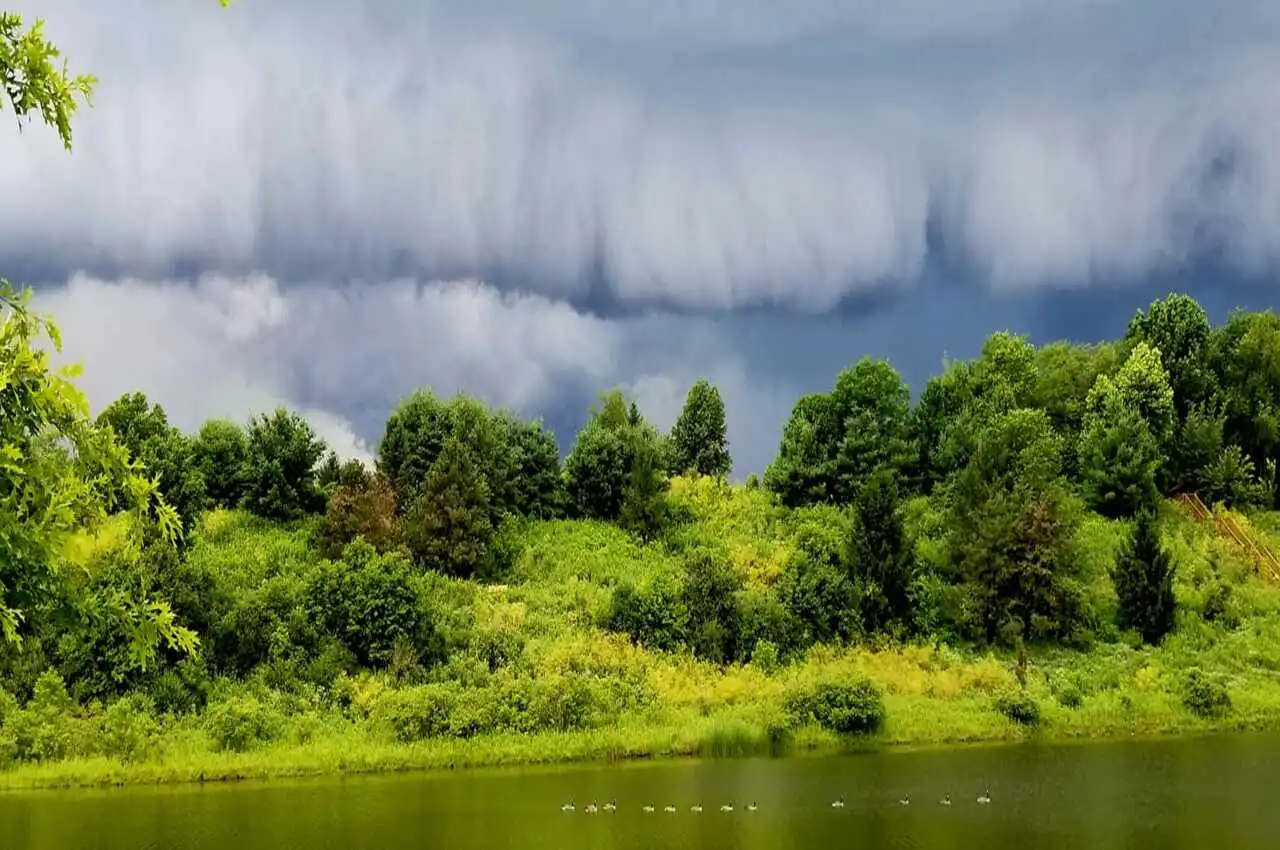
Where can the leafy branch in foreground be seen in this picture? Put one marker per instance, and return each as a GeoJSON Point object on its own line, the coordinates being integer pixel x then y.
{"type": "Point", "coordinates": [56, 468]}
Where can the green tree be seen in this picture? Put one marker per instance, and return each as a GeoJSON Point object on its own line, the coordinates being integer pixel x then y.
{"type": "Point", "coordinates": [710, 583]}
{"type": "Point", "coordinates": [804, 472]}
{"type": "Point", "coordinates": [220, 449]}
{"type": "Point", "coordinates": [1178, 328]}
{"type": "Point", "coordinates": [367, 601]}
{"type": "Point", "coordinates": [872, 405]}
{"type": "Point", "coordinates": [537, 485]}
{"type": "Point", "coordinates": [699, 439]}
{"type": "Point", "coordinates": [1118, 460]}
{"type": "Point", "coordinates": [280, 467]}
{"type": "Point", "coordinates": [56, 466]}
{"type": "Point", "coordinates": [162, 450]}
{"type": "Point", "coordinates": [1012, 539]}
{"type": "Point", "coordinates": [644, 503]}
{"type": "Point", "coordinates": [414, 434]}
{"type": "Point", "coordinates": [448, 528]}
{"type": "Point", "coordinates": [878, 556]}
{"type": "Point", "coordinates": [1143, 578]}
{"type": "Point", "coordinates": [598, 468]}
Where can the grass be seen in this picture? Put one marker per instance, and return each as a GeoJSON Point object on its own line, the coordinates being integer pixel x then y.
{"type": "Point", "coordinates": [656, 705]}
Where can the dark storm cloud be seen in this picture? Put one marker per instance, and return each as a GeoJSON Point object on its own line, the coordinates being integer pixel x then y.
{"type": "Point", "coordinates": [640, 166]}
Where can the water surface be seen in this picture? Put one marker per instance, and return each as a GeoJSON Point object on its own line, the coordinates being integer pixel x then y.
{"type": "Point", "coordinates": [1217, 793]}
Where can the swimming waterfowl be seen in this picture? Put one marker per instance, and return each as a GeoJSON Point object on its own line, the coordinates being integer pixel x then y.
{"type": "Point", "coordinates": [696, 807]}
{"type": "Point", "coordinates": [611, 806]}
{"type": "Point", "coordinates": [986, 796]}
{"type": "Point", "coordinates": [752, 807]}
{"type": "Point", "coordinates": [727, 807]}
{"type": "Point", "coordinates": [946, 801]}
{"type": "Point", "coordinates": [591, 808]}
{"type": "Point", "coordinates": [567, 807]}
{"type": "Point", "coordinates": [838, 804]}
{"type": "Point", "coordinates": [906, 800]}
{"type": "Point", "coordinates": [648, 807]}
{"type": "Point", "coordinates": [668, 808]}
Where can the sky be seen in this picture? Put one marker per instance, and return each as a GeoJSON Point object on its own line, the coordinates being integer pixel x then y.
{"type": "Point", "coordinates": [330, 203]}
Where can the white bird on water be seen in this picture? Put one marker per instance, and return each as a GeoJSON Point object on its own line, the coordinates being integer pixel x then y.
{"type": "Point", "coordinates": [567, 807]}
{"type": "Point", "coordinates": [946, 801]}
{"type": "Point", "coordinates": [986, 796]}
{"type": "Point", "coordinates": [591, 808]}
{"type": "Point", "coordinates": [906, 800]}
{"type": "Point", "coordinates": [611, 806]}
{"type": "Point", "coordinates": [648, 807]}
{"type": "Point", "coordinates": [668, 808]}
{"type": "Point", "coordinates": [751, 807]}
{"type": "Point", "coordinates": [696, 807]}
{"type": "Point", "coordinates": [727, 807]}
{"type": "Point", "coordinates": [838, 804]}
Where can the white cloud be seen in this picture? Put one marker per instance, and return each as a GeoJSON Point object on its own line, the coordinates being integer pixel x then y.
{"type": "Point", "coordinates": [232, 348]}
{"type": "Point", "coordinates": [775, 152]}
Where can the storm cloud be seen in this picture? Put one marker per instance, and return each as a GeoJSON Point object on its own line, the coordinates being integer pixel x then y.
{"type": "Point", "coordinates": [677, 161]}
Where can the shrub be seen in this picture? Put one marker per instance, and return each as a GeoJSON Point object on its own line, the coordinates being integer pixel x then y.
{"type": "Point", "coordinates": [415, 713]}
{"type": "Point", "coordinates": [848, 708]}
{"type": "Point", "coordinates": [129, 728]}
{"type": "Point", "coordinates": [241, 723]}
{"type": "Point", "coordinates": [1020, 707]}
{"type": "Point", "coordinates": [654, 616]}
{"type": "Point", "coordinates": [1205, 697]}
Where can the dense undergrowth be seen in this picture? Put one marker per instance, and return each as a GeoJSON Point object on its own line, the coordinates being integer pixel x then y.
{"type": "Point", "coordinates": [525, 670]}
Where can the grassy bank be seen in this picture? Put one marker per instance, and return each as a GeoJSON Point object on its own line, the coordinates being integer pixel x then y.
{"type": "Point", "coordinates": [932, 697]}
{"type": "Point", "coordinates": [528, 674]}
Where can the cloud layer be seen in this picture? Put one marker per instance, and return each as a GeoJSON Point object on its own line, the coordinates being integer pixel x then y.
{"type": "Point", "coordinates": [266, 204]}
{"type": "Point", "coordinates": [782, 153]}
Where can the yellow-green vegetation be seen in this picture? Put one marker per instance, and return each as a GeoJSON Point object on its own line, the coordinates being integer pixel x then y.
{"type": "Point", "coordinates": [531, 677]}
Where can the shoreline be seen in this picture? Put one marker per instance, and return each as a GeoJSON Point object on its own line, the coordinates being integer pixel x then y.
{"type": "Point", "coordinates": [355, 755]}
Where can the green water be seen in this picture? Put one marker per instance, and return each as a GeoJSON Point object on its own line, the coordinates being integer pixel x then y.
{"type": "Point", "coordinates": [1217, 793]}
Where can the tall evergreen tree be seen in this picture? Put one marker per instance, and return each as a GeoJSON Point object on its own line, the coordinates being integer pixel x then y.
{"type": "Point", "coordinates": [699, 439]}
{"type": "Point", "coordinates": [644, 504]}
{"type": "Point", "coordinates": [1144, 582]}
{"type": "Point", "coordinates": [877, 556]}
{"type": "Point", "coordinates": [448, 527]}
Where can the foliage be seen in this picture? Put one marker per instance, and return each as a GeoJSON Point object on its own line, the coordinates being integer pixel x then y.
{"type": "Point", "coordinates": [850, 708]}
{"type": "Point", "coordinates": [1019, 707]}
{"type": "Point", "coordinates": [238, 724]}
{"type": "Point", "coordinates": [280, 467]}
{"type": "Point", "coordinates": [220, 450]}
{"type": "Point", "coordinates": [1204, 696]}
{"type": "Point", "coordinates": [362, 504]}
{"type": "Point", "coordinates": [50, 489]}
{"type": "Point", "coordinates": [448, 527]}
{"type": "Point", "coordinates": [1144, 582]}
{"type": "Point", "coordinates": [699, 438]}
{"type": "Point", "coordinates": [31, 80]}
{"type": "Point", "coordinates": [367, 601]}
{"type": "Point", "coordinates": [644, 503]}
{"type": "Point", "coordinates": [879, 556]}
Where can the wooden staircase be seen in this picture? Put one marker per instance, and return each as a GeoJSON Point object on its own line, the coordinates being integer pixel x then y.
{"type": "Point", "coordinates": [1264, 560]}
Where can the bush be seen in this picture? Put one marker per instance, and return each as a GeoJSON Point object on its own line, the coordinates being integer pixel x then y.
{"type": "Point", "coordinates": [654, 616]}
{"type": "Point", "coordinates": [1205, 697]}
{"type": "Point", "coordinates": [415, 713]}
{"type": "Point", "coordinates": [848, 708]}
{"type": "Point", "coordinates": [241, 723]}
{"type": "Point", "coordinates": [129, 728]}
{"type": "Point", "coordinates": [1019, 707]}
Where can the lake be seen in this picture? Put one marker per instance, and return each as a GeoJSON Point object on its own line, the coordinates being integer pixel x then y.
{"type": "Point", "coordinates": [1217, 792]}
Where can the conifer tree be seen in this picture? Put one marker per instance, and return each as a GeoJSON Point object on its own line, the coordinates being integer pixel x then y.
{"type": "Point", "coordinates": [1144, 582]}
{"type": "Point", "coordinates": [699, 438]}
{"type": "Point", "coordinates": [448, 528]}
